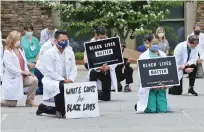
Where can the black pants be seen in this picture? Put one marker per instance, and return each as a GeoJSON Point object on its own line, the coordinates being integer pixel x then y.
{"type": "Point", "coordinates": [39, 75]}
{"type": "Point", "coordinates": [105, 79]}
{"type": "Point", "coordinates": [59, 103]}
{"type": "Point", "coordinates": [127, 75]}
{"type": "Point", "coordinates": [177, 90]}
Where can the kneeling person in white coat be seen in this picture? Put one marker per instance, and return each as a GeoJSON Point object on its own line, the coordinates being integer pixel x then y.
{"type": "Point", "coordinates": [16, 76]}
{"type": "Point", "coordinates": [60, 68]}
{"type": "Point", "coordinates": [153, 100]}
{"type": "Point", "coordinates": [186, 56]}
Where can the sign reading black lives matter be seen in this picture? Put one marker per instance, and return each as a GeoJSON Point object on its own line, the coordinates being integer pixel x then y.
{"type": "Point", "coordinates": [158, 71]}
{"type": "Point", "coordinates": [81, 100]}
{"type": "Point", "coordinates": [107, 51]}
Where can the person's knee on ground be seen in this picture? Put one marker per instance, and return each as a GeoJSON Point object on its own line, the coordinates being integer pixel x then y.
{"type": "Point", "coordinates": [8, 103]}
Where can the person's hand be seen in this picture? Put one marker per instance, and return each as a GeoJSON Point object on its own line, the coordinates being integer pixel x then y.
{"type": "Point", "coordinates": [31, 66]}
{"type": "Point", "coordinates": [130, 60]}
{"type": "Point", "coordinates": [26, 73]}
{"type": "Point", "coordinates": [182, 67]}
{"type": "Point", "coordinates": [160, 87]}
{"type": "Point", "coordinates": [189, 70]}
{"type": "Point", "coordinates": [68, 81]}
{"type": "Point", "coordinates": [199, 61]}
{"type": "Point", "coordinates": [104, 68]}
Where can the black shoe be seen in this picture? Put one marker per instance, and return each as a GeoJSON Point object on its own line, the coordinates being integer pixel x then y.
{"type": "Point", "coordinates": [40, 109]}
{"type": "Point", "coordinates": [120, 87]}
{"type": "Point", "coordinates": [59, 115]}
{"type": "Point", "coordinates": [135, 107]}
{"type": "Point", "coordinates": [191, 91]}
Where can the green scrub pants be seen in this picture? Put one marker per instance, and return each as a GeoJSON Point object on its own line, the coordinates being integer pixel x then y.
{"type": "Point", "coordinates": [157, 102]}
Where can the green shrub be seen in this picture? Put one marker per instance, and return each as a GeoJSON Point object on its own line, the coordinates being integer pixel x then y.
{"type": "Point", "coordinates": [79, 55]}
{"type": "Point", "coordinates": [171, 52]}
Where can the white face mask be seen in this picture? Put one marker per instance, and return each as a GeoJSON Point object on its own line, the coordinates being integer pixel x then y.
{"type": "Point", "coordinates": [17, 44]}
{"type": "Point", "coordinates": [161, 35]}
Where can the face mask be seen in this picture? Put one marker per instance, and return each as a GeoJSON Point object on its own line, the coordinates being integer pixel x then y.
{"type": "Point", "coordinates": [197, 32]}
{"type": "Point", "coordinates": [17, 44]}
{"type": "Point", "coordinates": [154, 48]}
{"type": "Point", "coordinates": [160, 35]}
{"type": "Point", "coordinates": [29, 34]}
{"type": "Point", "coordinates": [63, 45]}
{"type": "Point", "coordinates": [191, 47]}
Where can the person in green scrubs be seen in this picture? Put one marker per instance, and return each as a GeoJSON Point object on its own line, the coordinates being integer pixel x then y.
{"type": "Point", "coordinates": [31, 47]}
{"type": "Point", "coordinates": [157, 101]}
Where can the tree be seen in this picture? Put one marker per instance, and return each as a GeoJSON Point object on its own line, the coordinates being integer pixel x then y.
{"type": "Point", "coordinates": [121, 17]}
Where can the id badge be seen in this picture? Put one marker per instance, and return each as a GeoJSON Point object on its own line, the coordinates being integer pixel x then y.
{"type": "Point", "coordinates": [32, 48]}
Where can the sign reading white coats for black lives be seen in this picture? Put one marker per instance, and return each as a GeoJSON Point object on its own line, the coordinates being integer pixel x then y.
{"type": "Point", "coordinates": [81, 100]}
{"type": "Point", "coordinates": [107, 51]}
{"type": "Point", "coordinates": [158, 71]}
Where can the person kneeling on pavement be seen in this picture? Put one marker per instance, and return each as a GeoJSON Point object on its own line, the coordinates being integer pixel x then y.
{"type": "Point", "coordinates": [186, 59]}
{"type": "Point", "coordinates": [17, 75]}
{"type": "Point", "coordinates": [60, 68]}
{"type": "Point", "coordinates": [153, 100]}
{"type": "Point", "coordinates": [105, 75]}
{"type": "Point", "coordinates": [124, 72]}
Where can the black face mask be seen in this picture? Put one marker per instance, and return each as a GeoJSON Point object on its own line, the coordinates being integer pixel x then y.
{"type": "Point", "coordinates": [197, 32]}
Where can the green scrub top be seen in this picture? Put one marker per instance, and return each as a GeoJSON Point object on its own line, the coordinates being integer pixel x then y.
{"type": "Point", "coordinates": [31, 49]}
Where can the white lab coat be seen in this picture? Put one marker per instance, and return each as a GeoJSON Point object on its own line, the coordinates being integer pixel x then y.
{"type": "Point", "coordinates": [200, 47]}
{"type": "Point", "coordinates": [12, 80]}
{"type": "Point", "coordinates": [181, 55]}
{"type": "Point", "coordinates": [1, 57]}
{"type": "Point", "coordinates": [144, 92]}
{"type": "Point", "coordinates": [114, 82]}
{"type": "Point", "coordinates": [45, 47]}
{"type": "Point", "coordinates": [53, 68]}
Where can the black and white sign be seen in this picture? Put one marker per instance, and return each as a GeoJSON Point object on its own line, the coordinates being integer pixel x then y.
{"type": "Point", "coordinates": [101, 52]}
{"type": "Point", "coordinates": [158, 71]}
{"type": "Point", "coordinates": [81, 100]}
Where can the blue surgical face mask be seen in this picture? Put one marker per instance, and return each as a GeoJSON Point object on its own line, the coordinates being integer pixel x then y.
{"type": "Point", "coordinates": [63, 44]}
{"type": "Point", "coordinates": [154, 48]}
{"type": "Point", "coordinates": [29, 34]}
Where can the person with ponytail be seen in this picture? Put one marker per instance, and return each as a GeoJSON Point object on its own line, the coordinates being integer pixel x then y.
{"type": "Point", "coordinates": [17, 75]}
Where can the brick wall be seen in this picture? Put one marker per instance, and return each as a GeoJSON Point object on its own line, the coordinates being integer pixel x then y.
{"type": "Point", "coordinates": [14, 15]}
{"type": "Point", "coordinates": [200, 15]}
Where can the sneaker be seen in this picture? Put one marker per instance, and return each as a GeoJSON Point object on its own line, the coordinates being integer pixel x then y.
{"type": "Point", "coordinates": [120, 87]}
{"type": "Point", "coordinates": [58, 115]}
{"type": "Point", "coordinates": [30, 104]}
{"type": "Point", "coordinates": [127, 88]}
{"type": "Point", "coordinates": [40, 109]}
{"type": "Point", "coordinates": [192, 92]}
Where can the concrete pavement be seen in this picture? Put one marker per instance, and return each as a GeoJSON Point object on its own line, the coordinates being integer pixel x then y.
{"type": "Point", "coordinates": [117, 115]}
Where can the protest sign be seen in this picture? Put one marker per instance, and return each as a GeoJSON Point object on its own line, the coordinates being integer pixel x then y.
{"type": "Point", "coordinates": [129, 53]}
{"type": "Point", "coordinates": [107, 51]}
{"type": "Point", "coordinates": [81, 100]}
{"type": "Point", "coordinates": [158, 71]}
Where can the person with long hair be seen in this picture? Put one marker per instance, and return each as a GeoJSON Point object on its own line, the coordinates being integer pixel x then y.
{"type": "Point", "coordinates": [17, 75]}
{"type": "Point", "coordinates": [163, 42]}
